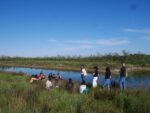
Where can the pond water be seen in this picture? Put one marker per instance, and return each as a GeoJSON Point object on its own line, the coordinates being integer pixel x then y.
{"type": "Point", "coordinates": [133, 81]}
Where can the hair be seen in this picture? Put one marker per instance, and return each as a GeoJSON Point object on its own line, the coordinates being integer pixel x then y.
{"type": "Point", "coordinates": [82, 66]}
{"type": "Point", "coordinates": [96, 67]}
{"type": "Point", "coordinates": [70, 80]}
{"type": "Point", "coordinates": [108, 70]}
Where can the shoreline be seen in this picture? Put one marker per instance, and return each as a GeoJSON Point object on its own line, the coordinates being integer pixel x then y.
{"type": "Point", "coordinates": [113, 71]}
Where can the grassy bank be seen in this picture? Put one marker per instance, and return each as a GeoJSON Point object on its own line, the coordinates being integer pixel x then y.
{"type": "Point", "coordinates": [17, 95]}
{"type": "Point", "coordinates": [135, 62]}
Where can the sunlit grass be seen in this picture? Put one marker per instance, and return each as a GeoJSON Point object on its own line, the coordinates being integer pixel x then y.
{"type": "Point", "coordinates": [17, 95]}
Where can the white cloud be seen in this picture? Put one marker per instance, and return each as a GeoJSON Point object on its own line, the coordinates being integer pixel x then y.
{"type": "Point", "coordinates": [76, 48]}
{"type": "Point", "coordinates": [112, 42]}
{"type": "Point", "coordinates": [137, 30]}
{"type": "Point", "coordinates": [99, 42]}
{"type": "Point", "coordinates": [79, 41]}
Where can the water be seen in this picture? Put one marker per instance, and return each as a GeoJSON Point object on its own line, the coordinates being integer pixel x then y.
{"type": "Point", "coordinates": [133, 81]}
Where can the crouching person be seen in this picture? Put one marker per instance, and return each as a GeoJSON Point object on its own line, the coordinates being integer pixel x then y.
{"type": "Point", "coordinates": [83, 88]}
{"type": "Point", "coordinates": [70, 86]}
{"type": "Point", "coordinates": [49, 83]}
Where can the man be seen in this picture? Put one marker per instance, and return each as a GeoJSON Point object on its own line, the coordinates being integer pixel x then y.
{"type": "Point", "coordinates": [122, 77]}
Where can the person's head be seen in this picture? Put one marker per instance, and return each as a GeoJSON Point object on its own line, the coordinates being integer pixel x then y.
{"type": "Point", "coordinates": [70, 80]}
{"type": "Point", "coordinates": [82, 66]}
{"type": "Point", "coordinates": [123, 64]}
{"type": "Point", "coordinates": [107, 69]}
{"type": "Point", "coordinates": [95, 67]}
{"type": "Point", "coordinates": [41, 72]}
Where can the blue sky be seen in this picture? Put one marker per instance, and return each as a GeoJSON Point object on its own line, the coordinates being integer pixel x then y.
{"type": "Point", "coordinates": [33, 28]}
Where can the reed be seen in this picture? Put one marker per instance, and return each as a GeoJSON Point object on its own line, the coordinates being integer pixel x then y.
{"type": "Point", "coordinates": [17, 95]}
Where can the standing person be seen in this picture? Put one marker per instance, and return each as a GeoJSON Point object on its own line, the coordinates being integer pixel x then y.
{"type": "Point", "coordinates": [107, 78]}
{"type": "Point", "coordinates": [95, 76]}
{"type": "Point", "coordinates": [122, 77]}
{"type": "Point", "coordinates": [83, 73]}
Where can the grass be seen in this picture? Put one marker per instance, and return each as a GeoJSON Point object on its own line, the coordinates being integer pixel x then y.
{"type": "Point", "coordinates": [17, 95]}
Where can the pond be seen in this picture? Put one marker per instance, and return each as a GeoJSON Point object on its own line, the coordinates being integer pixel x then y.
{"type": "Point", "coordinates": [133, 81]}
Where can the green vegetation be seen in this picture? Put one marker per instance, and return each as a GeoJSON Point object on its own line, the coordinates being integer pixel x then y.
{"type": "Point", "coordinates": [17, 95]}
{"type": "Point", "coordinates": [135, 62]}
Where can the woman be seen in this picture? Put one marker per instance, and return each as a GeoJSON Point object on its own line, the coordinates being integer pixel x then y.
{"type": "Point", "coordinates": [83, 73]}
{"type": "Point", "coordinates": [107, 78]}
{"type": "Point", "coordinates": [122, 77]}
{"type": "Point", "coordinates": [95, 76]}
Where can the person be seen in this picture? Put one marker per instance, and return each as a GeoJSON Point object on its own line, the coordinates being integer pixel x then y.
{"type": "Point", "coordinates": [58, 79]}
{"type": "Point", "coordinates": [41, 76]}
{"type": "Point", "coordinates": [83, 73]}
{"type": "Point", "coordinates": [83, 88]}
{"type": "Point", "coordinates": [36, 78]}
{"type": "Point", "coordinates": [33, 78]}
{"type": "Point", "coordinates": [49, 83]}
{"type": "Point", "coordinates": [107, 78]}
{"type": "Point", "coordinates": [70, 85]}
{"type": "Point", "coordinates": [95, 77]}
{"type": "Point", "coordinates": [122, 77]}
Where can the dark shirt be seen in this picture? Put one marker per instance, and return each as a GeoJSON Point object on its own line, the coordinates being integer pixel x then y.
{"type": "Point", "coordinates": [123, 72]}
{"type": "Point", "coordinates": [96, 73]}
{"type": "Point", "coordinates": [107, 75]}
{"type": "Point", "coordinates": [70, 86]}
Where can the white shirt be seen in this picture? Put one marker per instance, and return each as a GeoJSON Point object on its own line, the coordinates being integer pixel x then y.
{"type": "Point", "coordinates": [83, 72]}
{"type": "Point", "coordinates": [48, 84]}
{"type": "Point", "coordinates": [82, 88]}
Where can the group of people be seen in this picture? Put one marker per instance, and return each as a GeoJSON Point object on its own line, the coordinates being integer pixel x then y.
{"type": "Point", "coordinates": [107, 83]}
{"type": "Point", "coordinates": [51, 76]}
{"type": "Point", "coordinates": [83, 86]}
{"type": "Point", "coordinates": [41, 76]}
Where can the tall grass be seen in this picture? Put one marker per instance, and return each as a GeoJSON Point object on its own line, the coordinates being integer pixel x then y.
{"type": "Point", "coordinates": [17, 95]}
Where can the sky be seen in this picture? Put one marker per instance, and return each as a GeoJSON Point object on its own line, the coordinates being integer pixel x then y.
{"type": "Point", "coordinates": [40, 28]}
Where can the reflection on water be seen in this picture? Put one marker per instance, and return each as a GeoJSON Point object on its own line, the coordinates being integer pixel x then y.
{"type": "Point", "coordinates": [133, 81]}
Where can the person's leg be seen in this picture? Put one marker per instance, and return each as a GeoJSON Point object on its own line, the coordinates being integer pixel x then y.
{"type": "Point", "coordinates": [108, 84]}
{"type": "Point", "coordinates": [96, 78]}
{"type": "Point", "coordinates": [82, 77]}
{"type": "Point", "coordinates": [120, 83]}
{"type": "Point", "coordinates": [95, 82]}
{"type": "Point", "coordinates": [123, 83]}
{"type": "Point", "coordinates": [105, 83]}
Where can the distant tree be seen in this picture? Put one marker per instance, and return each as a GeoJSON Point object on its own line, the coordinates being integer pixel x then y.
{"type": "Point", "coordinates": [125, 53]}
